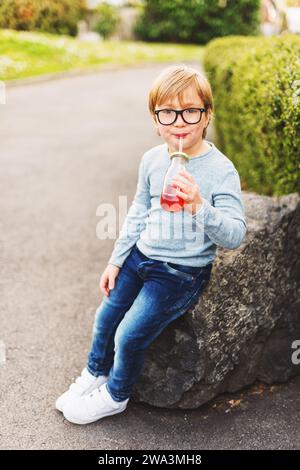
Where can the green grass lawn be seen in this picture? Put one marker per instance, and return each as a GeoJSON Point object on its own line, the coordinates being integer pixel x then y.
{"type": "Point", "coordinates": [27, 54]}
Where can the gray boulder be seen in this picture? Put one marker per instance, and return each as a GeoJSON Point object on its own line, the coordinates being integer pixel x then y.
{"type": "Point", "coordinates": [243, 327]}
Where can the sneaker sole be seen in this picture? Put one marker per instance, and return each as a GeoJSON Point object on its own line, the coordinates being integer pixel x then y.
{"type": "Point", "coordinates": [79, 421]}
{"type": "Point", "coordinates": [61, 408]}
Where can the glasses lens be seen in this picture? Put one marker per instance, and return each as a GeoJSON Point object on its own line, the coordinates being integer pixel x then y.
{"type": "Point", "coordinates": [166, 116]}
{"type": "Point", "coordinates": [192, 115]}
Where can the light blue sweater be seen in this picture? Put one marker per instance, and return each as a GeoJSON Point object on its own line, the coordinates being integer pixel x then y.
{"type": "Point", "coordinates": [180, 237]}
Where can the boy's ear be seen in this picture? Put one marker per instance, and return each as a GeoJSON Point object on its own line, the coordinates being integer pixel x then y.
{"type": "Point", "coordinates": [154, 120]}
{"type": "Point", "coordinates": [208, 117]}
{"type": "Point", "coordinates": [155, 124]}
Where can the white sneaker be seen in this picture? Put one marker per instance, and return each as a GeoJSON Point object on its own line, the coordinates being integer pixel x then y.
{"type": "Point", "coordinates": [84, 384]}
{"type": "Point", "coordinates": [96, 405]}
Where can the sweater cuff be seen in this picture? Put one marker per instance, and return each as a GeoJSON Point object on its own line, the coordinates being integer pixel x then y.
{"type": "Point", "coordinates": [116, 260]}
{"type": "Point", "coordinates": [118, 265]}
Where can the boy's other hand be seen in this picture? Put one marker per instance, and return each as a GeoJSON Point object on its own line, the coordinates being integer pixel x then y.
{"type": "Point", "coordinates": [108, 278]}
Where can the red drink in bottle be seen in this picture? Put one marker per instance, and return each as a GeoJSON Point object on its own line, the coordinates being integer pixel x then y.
{"type": "Point", "coordinates": [169, 199]}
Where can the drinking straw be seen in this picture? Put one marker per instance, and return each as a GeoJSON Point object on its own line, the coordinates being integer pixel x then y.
{"type": "Point", "coordinates": [180, 144]}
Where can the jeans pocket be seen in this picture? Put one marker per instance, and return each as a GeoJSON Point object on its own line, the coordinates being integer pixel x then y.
{"type": "Point", "coordinates": [188, 273]}
{"type": "Point", "coordinates": [189, 298]}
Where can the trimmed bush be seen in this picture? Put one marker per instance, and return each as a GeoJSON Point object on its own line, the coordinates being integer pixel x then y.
{"type": "Point", "coordinates": [52, 16]}
{"type": "Point", "coordinates": [256, 86]}
{"type": "Point", "coordinates": [196, 21]}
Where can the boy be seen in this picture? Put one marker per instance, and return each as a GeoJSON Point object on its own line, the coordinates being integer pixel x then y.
{"type": "Point", "coordinates": [152, 278]}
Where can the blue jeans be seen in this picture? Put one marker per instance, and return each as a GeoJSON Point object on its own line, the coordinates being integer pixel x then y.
{"type": "Point", "coordinates": [148, 295]}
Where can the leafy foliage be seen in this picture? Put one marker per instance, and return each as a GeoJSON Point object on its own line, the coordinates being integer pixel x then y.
{"type": "Point", "coordinates": [256, 86]}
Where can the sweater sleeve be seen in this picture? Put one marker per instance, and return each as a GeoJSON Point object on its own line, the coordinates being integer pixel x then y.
{"type": "Point", "coordinates": [134, 222]}
{"type": "Point", "coordinates": [224, 221]}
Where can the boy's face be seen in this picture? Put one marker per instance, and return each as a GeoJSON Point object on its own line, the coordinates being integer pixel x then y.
{"type": "Point", "coordinates": [192, 133]}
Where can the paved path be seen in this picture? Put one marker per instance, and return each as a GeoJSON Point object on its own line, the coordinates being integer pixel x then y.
{"type": "Point", "coordinates": [61, 156]}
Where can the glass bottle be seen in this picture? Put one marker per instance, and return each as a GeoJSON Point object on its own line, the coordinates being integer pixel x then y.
{"type": "Point", "coordinates": [169, 199]}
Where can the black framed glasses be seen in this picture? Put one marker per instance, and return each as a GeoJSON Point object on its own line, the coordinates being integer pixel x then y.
{"type": "Point", "coordinates": [167, 117]}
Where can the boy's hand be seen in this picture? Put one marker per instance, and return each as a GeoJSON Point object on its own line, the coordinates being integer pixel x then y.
{"type": "Point", "coordinates": [189, 191]}
{"type": "Point", "coordinates": [107, 281]}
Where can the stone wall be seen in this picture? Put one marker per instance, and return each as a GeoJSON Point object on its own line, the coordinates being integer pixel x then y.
{"type": "Point", "coordinates": [242, 329]}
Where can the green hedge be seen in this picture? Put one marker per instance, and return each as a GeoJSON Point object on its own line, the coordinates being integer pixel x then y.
{"type": "Point", "coordinates": [256, 87]}
{"type": "Point", "coordinates": [52, 16]}
{"type": "Point", "coordinates": [196, 21]}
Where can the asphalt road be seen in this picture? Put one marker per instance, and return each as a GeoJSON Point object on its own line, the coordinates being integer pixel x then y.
{"type": "Point", "coordinates": [66, 146]}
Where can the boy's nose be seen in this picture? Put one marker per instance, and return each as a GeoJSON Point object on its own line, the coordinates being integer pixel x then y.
{"type": "Point", "coordinates": [179, 121]}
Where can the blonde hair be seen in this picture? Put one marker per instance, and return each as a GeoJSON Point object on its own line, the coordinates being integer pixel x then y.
{"type": "Point", "coordinates": [173, 80]}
